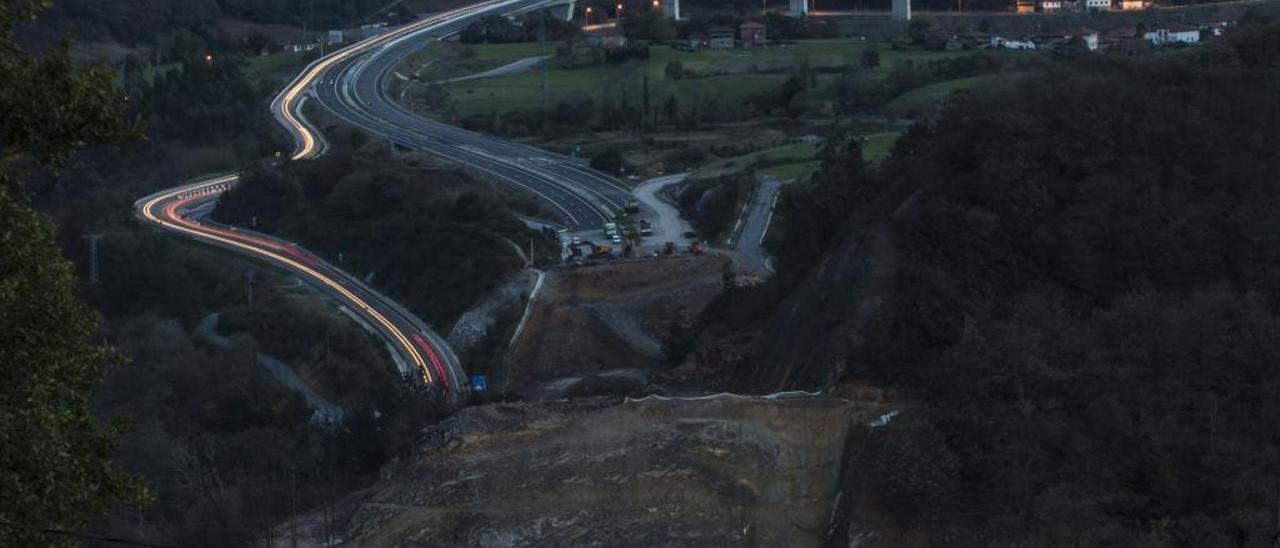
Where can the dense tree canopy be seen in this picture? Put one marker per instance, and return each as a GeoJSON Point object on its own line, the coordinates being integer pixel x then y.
{"type": "Point", "coordinates": [429, 245]}
{"type": "Point", "coordinates": [54, 456]}
{"type": "Point", "coordinates": [1086, 302]}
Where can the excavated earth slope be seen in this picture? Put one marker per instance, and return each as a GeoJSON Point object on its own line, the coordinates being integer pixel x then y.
{"type": "Point", "coordinates": [726, 471]}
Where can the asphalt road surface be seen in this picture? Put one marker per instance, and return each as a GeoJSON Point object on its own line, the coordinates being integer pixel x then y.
{"type": "Point", "coordinates": [352, 84]}
{"type": "Point", "coordinates": [418, 350]}
{"type": "Point", "coordinates": [755, 222]}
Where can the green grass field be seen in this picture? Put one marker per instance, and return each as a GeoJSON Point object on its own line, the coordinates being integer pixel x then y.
{"type": "Point", "coordinates": [525, 91]}
{"type": "Point", "coordinates": [877, 146]}
{"type": "Point", "coordinates": [798, 161]}
{"type": "Point", "coordinates": [258, 67]}
{"type": "Point", "coordinates": [798, 170]}
{"type": "Point", "coordinates": [512, 52]}
{"type": "Point", "coordinates": [927, 98]}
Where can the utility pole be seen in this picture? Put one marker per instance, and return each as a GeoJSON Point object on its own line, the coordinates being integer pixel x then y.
{"type": "Point", "coordinates": [93, 258]}
{"type": "Point", "coordinates": [542, 39]}
{"type": "Point", "coordinates": [248, 277]}
{"type": "Point", "coordinates": [305, 20]}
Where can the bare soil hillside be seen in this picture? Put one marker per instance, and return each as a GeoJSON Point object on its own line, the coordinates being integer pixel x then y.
{"type": "Point", "coordinates": [710, 472]}
{"type": "Point", "coordinates": [607, 317]}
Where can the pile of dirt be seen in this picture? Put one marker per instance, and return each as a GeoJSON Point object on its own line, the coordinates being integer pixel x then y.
{"type": "Point", "coordinates": [608, 317]}
{"type": "Point", "coordinates": [705, 472]}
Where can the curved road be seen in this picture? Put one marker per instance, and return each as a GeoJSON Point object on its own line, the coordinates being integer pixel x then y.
{"type": "Point", "coordinates": [352, 84]}
{"type": "Point", "coordinates": [416, 347]}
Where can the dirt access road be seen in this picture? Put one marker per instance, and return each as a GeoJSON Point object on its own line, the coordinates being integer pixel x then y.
{"type": "Point", "coordinates": [667, 224]}
{"type": "Point", "coordinates": [608, 317]}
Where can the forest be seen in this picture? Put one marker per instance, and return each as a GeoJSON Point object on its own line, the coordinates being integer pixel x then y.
{"type": "Point", "coordinates": [1083, 323]}
{"type": "Point", "coordinates": [207, 446]}
{"type": "Point", "coordinates": [1084, 306]}
{"type": "Point", "coordinates": [426, 237]}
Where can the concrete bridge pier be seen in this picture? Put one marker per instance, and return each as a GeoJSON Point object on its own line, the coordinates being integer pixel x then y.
{"type": "Point", "coordinates": [563, 11]}
{"type": "Point", "coordinates": [901, 10]}
{"type": "Point", "coordinates": [671, 8]}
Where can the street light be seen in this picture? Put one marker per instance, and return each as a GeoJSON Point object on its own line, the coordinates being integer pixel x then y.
{"type": "Point", "coordinates": [208, 57]}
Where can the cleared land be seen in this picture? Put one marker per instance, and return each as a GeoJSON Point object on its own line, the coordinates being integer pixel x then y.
{"type": "Point", "coordinates": [720, 472]}
{"type": "Point", "coordinates": [608, 317]}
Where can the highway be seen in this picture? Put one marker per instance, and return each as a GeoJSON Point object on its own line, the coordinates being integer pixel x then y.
{"type": "Point", "coordinates": [418, 350]}
{"type": "Point", "coordinates": [351, 83]}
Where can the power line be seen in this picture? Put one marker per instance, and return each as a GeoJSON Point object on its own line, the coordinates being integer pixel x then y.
{"type": "Point", "coordinates": [83, 536]}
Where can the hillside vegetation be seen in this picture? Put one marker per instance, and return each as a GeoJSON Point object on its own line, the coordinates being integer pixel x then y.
{"type": "Point", "coordinates": [432, 245]}
{"type": "Point", "coordinates": [1085, 304]}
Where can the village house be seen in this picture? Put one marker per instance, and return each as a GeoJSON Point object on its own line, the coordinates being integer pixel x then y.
{"type": "Point", "coordinates": [752, 34]}
{"type": "Point", "coordinates": [1000, 42]}
{"type": "Point", "coordinates": [942, 39]}
{"type": "Point", "coordinates": [299, 48]}
{"type": "Point", "coordinates": [721, 37]}
{"type": "Point", "coordinates": [605, 38]}
{"type": "Point", "coordinates": [1126, 40]}
{"type": "Point", "coordinates": [1088, 35]}
{"type": "Point", "coordinates": [1214, 30]}
{"type": "Point", "coordinates": [1172, 33]}
{"type": "Point", "coordinates": [699, 40]}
